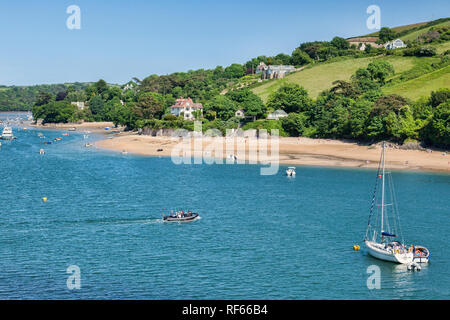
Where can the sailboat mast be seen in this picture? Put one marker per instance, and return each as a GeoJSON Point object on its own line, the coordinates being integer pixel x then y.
{"type": "Point", "coordinates": [382, 196]}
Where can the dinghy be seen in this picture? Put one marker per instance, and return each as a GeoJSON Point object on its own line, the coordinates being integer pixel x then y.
{"type": "Point", "coordinates": [421, 254]}
{"type": "Point", "coordinates": [380, 240]}
{"type": "Point", "coordinates": [290, 172]}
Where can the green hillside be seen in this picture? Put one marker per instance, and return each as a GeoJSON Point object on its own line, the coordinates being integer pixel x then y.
{"type": "Point", "coordinates": [321, 76]}
{"type": "Point", "coordinates": [414, 35]}
{"type": "Point", "coordinates": [422, 86]}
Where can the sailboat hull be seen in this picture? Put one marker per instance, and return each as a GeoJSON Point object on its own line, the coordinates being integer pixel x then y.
{"type": "Point", "coordinates": [376, 250]}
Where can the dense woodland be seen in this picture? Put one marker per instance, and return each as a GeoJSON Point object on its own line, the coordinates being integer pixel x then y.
{"type": "Point", "coordinates": [354, 109]}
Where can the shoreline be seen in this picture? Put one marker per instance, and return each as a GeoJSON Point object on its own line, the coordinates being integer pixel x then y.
{"type": "Point", "coordinates": [292, 151]}
{"type": "Point", "coordinates": [95, 127]}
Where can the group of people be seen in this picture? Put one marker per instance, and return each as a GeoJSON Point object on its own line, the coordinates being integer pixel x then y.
{"type": "Point", "coordinates": [181, 214]}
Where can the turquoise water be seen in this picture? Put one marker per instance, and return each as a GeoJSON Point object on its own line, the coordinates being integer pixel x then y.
{"type": "Point", "coordinates": [259, 237]}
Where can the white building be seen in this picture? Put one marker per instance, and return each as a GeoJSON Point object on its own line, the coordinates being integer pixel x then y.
{"type": "Point", "coordinates": [395, 44]}
{"type": "Point", "coordinates": [239, 114]}
{"type": "Point", "coordinates": [277, 115]}
{"type": "Point", "coordinates": [80, 104]}
{"type": "Point", "coordinates": [273, 72]}
{"type": "Point", "coordinates": [185, 107]}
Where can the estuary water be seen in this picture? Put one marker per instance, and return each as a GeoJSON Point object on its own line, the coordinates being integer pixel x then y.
{"type": "Point", "coordinates": [259, 237]}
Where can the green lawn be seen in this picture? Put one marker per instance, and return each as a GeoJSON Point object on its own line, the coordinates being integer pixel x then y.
{"type": "Point", "coordinates": [422, 86]}
{"type": "Point", "coordinates": [321, 76]}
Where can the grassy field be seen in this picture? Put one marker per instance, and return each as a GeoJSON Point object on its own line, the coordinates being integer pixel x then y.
{"type": "Point", "coordinates": [320, 77]}
{"type": "Point", "coordinates": [442, 47]}
{"type": "Point", "coordinates": [422, 86]}
{"type": "Point", "coordinates": [413, 35]}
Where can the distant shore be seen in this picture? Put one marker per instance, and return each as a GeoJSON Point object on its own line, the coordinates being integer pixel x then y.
{"type": "Point", "coordinates": [96, 127]}
{"type": "Point", "coordinates": [294, 151]}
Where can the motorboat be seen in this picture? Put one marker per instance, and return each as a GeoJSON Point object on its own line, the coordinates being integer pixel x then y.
{"type": "Point", "coordinates": [421, 254]}
{"type": "Point", "coordinates": [7, 133]}
{"type": "Point", "coordinates": [380, 239]}
{"type": "Point", "coordinates": [180, 217]}
{"type": "Point", "coordinates": [290, 172]}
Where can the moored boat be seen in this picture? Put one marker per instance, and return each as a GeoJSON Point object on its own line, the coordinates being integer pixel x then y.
{"type": "Point", "coordinates": [290, 172]}
{"type": "Point", "coordinates": [379, 240]}
{"type": "Point", "coordinates": [7, 133]}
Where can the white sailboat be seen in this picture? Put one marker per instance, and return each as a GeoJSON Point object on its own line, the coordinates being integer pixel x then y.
{"type": "Point", "coordinates": [379, 239]}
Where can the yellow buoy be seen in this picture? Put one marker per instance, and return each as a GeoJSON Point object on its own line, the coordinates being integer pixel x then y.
{"type": "Point", "coordinates": [356, 247]}
{"type": "Point", "coordinates": [44, 199]}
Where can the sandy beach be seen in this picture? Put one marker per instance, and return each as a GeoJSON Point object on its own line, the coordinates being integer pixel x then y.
{"type": "Point", "coordinates": [292, 151]}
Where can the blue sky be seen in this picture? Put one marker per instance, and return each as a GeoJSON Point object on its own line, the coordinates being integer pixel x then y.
{"type": "Point", "coordinates": [122, 39]}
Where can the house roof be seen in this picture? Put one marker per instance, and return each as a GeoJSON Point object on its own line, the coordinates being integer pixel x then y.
{"type": "Point", "coordinates": [184, 103]}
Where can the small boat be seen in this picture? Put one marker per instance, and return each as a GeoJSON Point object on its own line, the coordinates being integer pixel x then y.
{"type": "Point", "coordinates": [414, 266]}
{"type": "Point", "coordinates": [421, 254]}
{"type": "Point", "coordinates": [290, 172]}
{"type": "Point", "coordinates": [65, 134]}
{"type": "Point", "coordinates": [72, 129]}
{"type": "Point", "coordinates": [48, 142]}
{"type": "Point", "coordinates": [57, 139]}
{"type": "Point", "coordinates": [7, 134]}
{"type": "Point", "coordinates": [379, 239]}
{"type": "Point", "coordinates": [41, 151]}
{"type": "Point", "coordinates": [181, 217]}
{"type": "Point", "coordinates": [88, 145]}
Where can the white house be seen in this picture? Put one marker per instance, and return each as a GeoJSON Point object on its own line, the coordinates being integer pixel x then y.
{"type": "Point", "coordinates": [80, 104]}
{"type": "Point", "coordinates": [395, 44]}
{"type": "Point", "coordinates": [185, 107]}
{"type": "Point", "coordinates": [273, 71]}
{"type": "Point", "coordinates": [277, 115]}
{"type": "Point", "coordinates": [239, 114]}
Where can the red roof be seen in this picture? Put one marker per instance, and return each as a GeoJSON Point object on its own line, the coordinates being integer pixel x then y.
{"type": "Point", "coordinates": [183, 103]}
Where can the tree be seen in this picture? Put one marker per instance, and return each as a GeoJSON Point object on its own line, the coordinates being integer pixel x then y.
{"type": "Point", "coordinates": [290, 98]}
{"type": "Point", "coordinates": [300, 58]}
{"type": "Point", "coordinates": [61, 96]}
{"type": "Point", "coordinates": [43, 98]}
{"type": "Point", "coordinates": [252, 104]}
{"type": "Point", "coordinates": [379, 70]}
{"type": "Point", "coordinates": [234, 71]}
{"type": "Point", "coordinates": [437, 131]}
{"type": "Point", "coordinates": [345, 88]}
{"type": "Point", "coordinates": [224, 107]}
{"type": "Point", "coordinates": [386, 35]}
{"type": "Point", "coordinates": [97, 105]}
{"type": "Point", "coordinates": [295, 124]}
{"type": "Point", "coordinates": [439, 96]}
{"type": "Point", "coordinates": [56, 112]}
{"type": "Point", "coordinates": [359, 116]}
{"type": "Point", "coordinates": [150, 105]}
{"type": "Point", "coordinates": [101, 86]}
{"type": "Point", "coordinates": [386, 104]}
{"type": "Point", "coordinates": [340, 43]}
